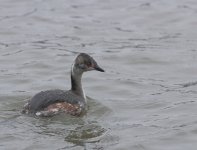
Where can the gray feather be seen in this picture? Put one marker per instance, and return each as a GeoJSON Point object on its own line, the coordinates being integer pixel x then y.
{"type": "Point", "coordinates": [45, 98]}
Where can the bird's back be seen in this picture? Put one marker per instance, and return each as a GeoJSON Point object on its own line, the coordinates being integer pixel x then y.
{"type": "Point", "coordinates": [46, 98]}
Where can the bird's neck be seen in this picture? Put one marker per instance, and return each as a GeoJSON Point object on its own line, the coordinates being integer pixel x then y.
{"type": "Point", "coordinates": [76, 85]}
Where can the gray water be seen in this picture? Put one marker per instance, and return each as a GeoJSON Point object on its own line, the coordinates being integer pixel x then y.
{"type": "Point", "coordinates": [146, 99]}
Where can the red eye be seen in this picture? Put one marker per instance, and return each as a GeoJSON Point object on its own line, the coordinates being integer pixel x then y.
{"type": "Point", "coordinates": [89, 64]}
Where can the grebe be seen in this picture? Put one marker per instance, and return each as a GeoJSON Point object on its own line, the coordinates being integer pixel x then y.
{"type": "Point", "coordinates": [73, 101]}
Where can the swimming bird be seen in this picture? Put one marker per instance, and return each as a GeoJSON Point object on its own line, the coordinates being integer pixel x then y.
{"type": "Point", "coordinates": [73, 101]}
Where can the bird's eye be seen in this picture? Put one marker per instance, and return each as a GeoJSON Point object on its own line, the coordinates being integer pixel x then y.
{"type": "Point", "coordinates": [89, 64]}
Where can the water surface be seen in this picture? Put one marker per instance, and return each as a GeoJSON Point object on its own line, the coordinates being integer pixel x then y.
{"type": "Point", "coordinates": [146, 99]}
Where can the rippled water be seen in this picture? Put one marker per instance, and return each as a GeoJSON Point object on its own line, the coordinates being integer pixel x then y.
{"type": "Point", "coordinates": [146, 99]}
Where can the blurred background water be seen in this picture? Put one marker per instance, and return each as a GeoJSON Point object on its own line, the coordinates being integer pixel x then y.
{"type": "Point", "coordinates": [146, 99]}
